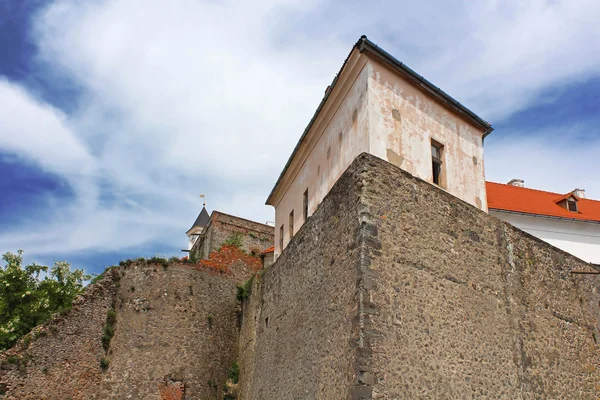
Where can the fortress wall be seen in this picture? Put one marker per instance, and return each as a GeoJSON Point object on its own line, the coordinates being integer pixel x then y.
{"type": "Point", "coordinates": [396, 289]}
{"type": "Point", "coordinates": [298, 326]}
{"type": "Point", "coordinates": [177, 330]}
{"type": "Point", "coordinates": [175, 336]}
{"type": "Point", "coordinates": [254, 237]}
{"type": "Point", "coordinates": [469, 306]}
{"type": "Point", "coordinates": [61, 359]}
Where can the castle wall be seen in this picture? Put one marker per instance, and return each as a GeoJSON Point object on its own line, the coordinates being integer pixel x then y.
{"type": "Point", "coordinates": [255, 237]}
{"type": "Point", "coordinates": [298, 324]}
{"type": "Point", "coordinates": [176, 327]}
{"type": "Point", "coordinates": [470, 306]}
{"type": "Point", "coordinates": [61, 358]}
{"type": "Point", "coordinates": [175, 336]}
{"type": "Point", "coordinates": [428, 297]}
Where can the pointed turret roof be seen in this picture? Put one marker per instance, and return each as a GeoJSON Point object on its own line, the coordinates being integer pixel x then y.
{"type": "Point", "coordinates": [202, 219]}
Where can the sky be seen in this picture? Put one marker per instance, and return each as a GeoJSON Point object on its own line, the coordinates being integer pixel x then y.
{"type": "Point", "coordinates": [115, 115]}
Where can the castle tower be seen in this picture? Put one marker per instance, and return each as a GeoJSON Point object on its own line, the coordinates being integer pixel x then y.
{"type": "Point", "coordinates": [194, 232]}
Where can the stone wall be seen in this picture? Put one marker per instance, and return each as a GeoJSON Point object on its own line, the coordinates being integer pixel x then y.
{"type": "Point", "coordinates": [299, 324]}
{"type": "Point", "coordinates": [397, 289]}
{"type": "Point", "coordinates": [255, 237]}
{"type": "Point", "coordinates": [61, 359]}
{"type": "Point", "coordinates": [177, 330]}
{"type": "Point", "coordinates": [468, 306]}
{"type": "Point", "coordinates": [175, 336]}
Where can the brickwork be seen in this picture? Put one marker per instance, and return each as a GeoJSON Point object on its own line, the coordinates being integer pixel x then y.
{"type": "Point", "coordinates": [416, 294]}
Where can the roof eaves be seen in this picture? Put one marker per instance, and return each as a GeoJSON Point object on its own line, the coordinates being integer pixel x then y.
{"type": "Point", "coordinates": [312, 120]}
{"type": "Point", "coordinates": [362, 44]}
{"type": "Point", "coordinates": [532, 214]}
{"type": "Point", "coordinates": [366, 44]}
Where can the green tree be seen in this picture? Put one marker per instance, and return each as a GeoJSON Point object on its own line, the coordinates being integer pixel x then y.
{"type": "Point", "coordinates": [30, 294]}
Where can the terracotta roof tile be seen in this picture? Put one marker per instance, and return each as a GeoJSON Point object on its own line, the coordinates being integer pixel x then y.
{"type": "Point", "coordinates": [269, 250]}
{"type": "Point", "coordinates": [531, 201]}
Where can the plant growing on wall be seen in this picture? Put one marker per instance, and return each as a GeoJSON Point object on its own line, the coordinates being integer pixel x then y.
{"type": "Point", "coordinates": [27, 299]}
{"type": "Point", "coordinates": [235, 239]}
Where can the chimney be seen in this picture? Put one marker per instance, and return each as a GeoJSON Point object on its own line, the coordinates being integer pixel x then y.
{"type": "Point", "coordinates": [579, 193]}
{"type": "Point", "coordinates": [516, 182]}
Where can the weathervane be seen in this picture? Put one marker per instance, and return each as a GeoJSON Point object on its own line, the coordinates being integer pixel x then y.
{"type": "Point", "coordinates": [203, 197]}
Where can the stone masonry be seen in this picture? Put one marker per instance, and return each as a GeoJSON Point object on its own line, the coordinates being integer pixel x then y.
{"type": "Point", "coordinates": [255, 237]}
{"type": "Point", "coordinates": [395, 289]}
{"type": "Point", "coordinates": [176, 335]}
{"type": "Point", "coordinates": [392, 289]}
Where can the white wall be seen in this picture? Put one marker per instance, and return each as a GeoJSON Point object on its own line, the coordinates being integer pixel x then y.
{"type": "Point", "coordinates": [403, 120]}
{"type": "Point", "coordinates": [582, 239]}
{"type": "Point", "coordinates": [342, 136]}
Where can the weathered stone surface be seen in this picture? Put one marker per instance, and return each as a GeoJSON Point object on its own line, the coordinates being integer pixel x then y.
{"type": "Point", "coordinates": [396, 289]}
{"type": "Point", "coordinates": [299, 321]}
{"type": "Point", "coordinates": [62, 358]}
{"type": "Point", "coordinates": [255, 237]}
{"type": "Point", "coordinates": [176, 336]}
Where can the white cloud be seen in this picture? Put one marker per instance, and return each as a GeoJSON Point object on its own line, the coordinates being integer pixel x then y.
{"type": "Point", "coordinates": [186, 97]}
{"type": "Point", "coordinates": [40, 133]}
{"type": "Point", "coordinates": [557, 160]}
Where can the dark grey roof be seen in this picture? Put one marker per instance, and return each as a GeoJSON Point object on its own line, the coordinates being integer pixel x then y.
{"type": "Point", "coordinates": [202, 219]}
{"type": "Point", "coordinates": [365, 44]}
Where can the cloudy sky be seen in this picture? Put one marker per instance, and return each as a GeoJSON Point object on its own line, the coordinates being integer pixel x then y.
{"type": "Point", "coordinates": [116, 114]}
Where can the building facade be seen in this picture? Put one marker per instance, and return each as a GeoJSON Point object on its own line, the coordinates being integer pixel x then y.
{"type": "Point", "coordinates": [567, 221]}
{"type": "Point", "coordinates": [379, 106]}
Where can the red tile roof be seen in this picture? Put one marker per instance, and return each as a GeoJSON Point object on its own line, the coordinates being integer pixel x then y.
{"type": "Point", "coordinates": [269, 250]}
{"type": "Point", "coordinates": [530, 201]}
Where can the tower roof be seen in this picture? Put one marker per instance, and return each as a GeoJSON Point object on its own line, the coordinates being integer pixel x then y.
{"type": "Point", "coordinates": [202, 219]}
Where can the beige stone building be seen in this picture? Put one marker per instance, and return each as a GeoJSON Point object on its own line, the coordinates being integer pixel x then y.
{"type": "Point", "coordinates": [378, 105]}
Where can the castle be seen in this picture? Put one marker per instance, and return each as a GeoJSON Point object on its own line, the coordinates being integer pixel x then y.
{"type": "Point", "coordinates": [391, 280]}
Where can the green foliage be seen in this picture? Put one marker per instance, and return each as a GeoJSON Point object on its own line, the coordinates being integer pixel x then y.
{"type": "Point", "coordinates": [109, 328]}
{"type": "Point", "coordinates": [104, 363]}
{"type": "Point", "coordinates": [244, 289]}
{"type": "Point", "coordinates": [194, 257]}
{"type": "Point", "coordinates": [174, 259]}
{"type": "Point", "coordinates": [234, 240]}
{"type": "Point", "coordinates": [29, 295]}
{"type": "Point", "coordinates": [100, 276]}
{"type": "Point", "coordinates": [234, 373]}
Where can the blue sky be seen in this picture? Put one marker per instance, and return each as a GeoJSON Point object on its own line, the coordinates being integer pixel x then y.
{"type": "Point", "coordinates": [115, 115]}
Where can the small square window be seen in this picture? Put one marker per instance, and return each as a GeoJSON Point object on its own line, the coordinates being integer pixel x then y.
{"type": "Point", "coordinates": [572, 205]}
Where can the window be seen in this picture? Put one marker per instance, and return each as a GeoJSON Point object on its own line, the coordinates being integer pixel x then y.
{"type": "Point", "coordinates": [281, 238]}
{"type": "Point", "coordinates": [436, 162]}
{"type": "Point", "coordinates": [305, 205]}
{"type": "Point", "coordinates": [291, 224]}
{"type": "Point", "coordinates": [572, 205]}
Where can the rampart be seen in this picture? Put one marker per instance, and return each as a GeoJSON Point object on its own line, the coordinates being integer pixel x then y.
{"type": "Point", "coordinates": [393, 288]}
{"type": "Point", "coordinates": [174, 335]}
